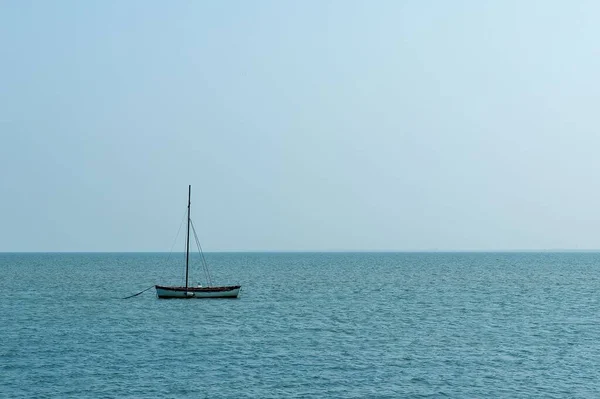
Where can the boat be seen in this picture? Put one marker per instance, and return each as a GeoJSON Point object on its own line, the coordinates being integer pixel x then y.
{"type": "Point", "coordinates": [189, 291]}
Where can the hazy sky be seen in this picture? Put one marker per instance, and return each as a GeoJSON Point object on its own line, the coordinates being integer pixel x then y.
{"type": "Point", "coordinates": [301, 125]}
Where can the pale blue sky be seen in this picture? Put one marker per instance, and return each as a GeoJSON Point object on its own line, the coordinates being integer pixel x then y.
{"type": "Point", "coordinates": [301, 125]}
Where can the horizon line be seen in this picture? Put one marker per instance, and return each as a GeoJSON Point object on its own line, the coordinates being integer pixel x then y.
{"type": "Point", "coordinates": [554, 250]}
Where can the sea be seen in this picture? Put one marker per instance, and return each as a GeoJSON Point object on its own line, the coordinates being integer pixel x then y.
{"type": "Point", "coordinates": [306, 325]}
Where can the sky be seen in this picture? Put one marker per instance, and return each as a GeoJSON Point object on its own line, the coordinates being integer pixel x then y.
{"type": "Point", "coordinates": [301, 125]}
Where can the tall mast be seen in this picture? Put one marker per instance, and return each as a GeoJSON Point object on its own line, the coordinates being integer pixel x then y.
{"type": "Point", "coordinates": [187, 246]}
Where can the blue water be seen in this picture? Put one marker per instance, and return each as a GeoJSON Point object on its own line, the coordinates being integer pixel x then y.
{"type": "Point", "coordinates": [337, 325]}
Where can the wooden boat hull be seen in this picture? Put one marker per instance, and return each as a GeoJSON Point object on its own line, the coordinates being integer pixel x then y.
{"type": "Point", "coordinates": [165, 292]}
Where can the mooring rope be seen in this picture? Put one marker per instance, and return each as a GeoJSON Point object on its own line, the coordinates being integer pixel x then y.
{"type": "Point", "coordinates": [141, 292]}
{"type": "Point", "coordinates": [168, 257]}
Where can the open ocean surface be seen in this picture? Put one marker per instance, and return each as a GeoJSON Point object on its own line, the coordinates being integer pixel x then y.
{"type": "Point", "coordinates": [306, 325]}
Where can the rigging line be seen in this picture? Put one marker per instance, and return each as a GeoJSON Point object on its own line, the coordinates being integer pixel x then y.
{"type": "Point", "coordinates": [185, 249]}
{"type": "Point", "coordinates": [141, 292]}
{"type": "Point", "coordinates": [175, 240]}
{"type": "Point", "coordinates": [206, 271]}
{"type": "Point", "coordinates": [203, 262]}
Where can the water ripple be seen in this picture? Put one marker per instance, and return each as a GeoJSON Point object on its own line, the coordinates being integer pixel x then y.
{"type": "Point", "coordinates": [306, 325]}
